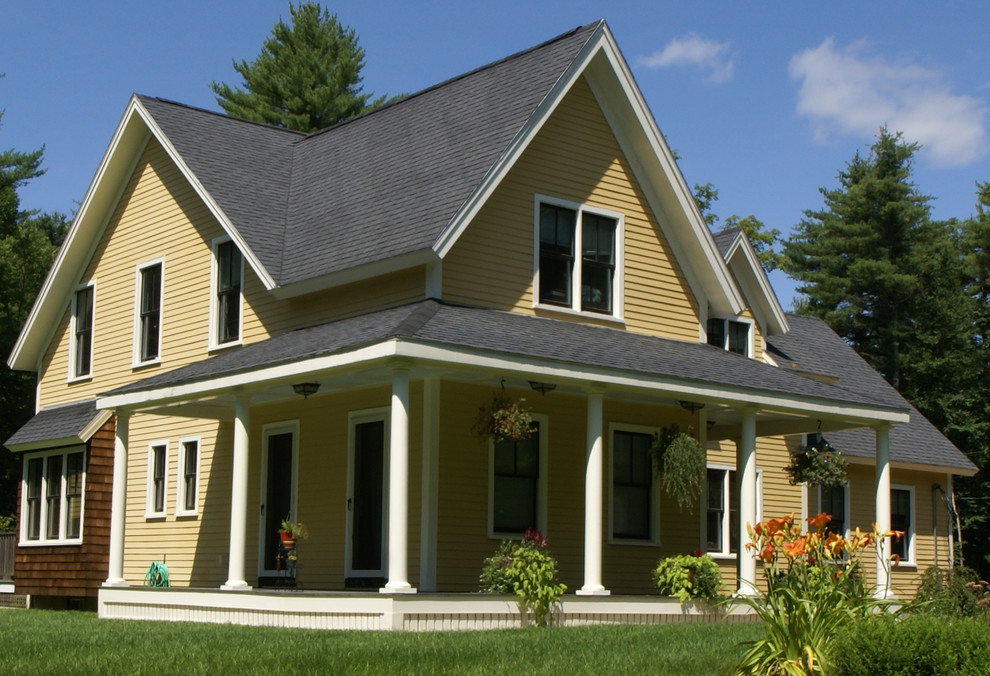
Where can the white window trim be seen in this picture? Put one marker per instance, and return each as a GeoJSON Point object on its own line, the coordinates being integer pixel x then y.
{"type": "Point", "coordinates": [136, 361]}
{"type": "Point", "coordinates": [654, 539]}
{"type": "Point", "coordinates": [910, 559]}
{"type": "Point", "coordinates": [213, 343]}
{"type": "Point", "coordinates": [72, 377]}
{"type": "Point", "coordinates": [541, 484]}
{"type": "Point", "coordinates": [180, 477]}
{"type": "Point", "coordinates": [845, 506]}
{"type": "Point", "coordinates": [149, 505]}
{"type": "Point", "coordinates": [618, 281]}
{"type": "Point", "coordinates": [725, 553]}
{"type": "Point", "coordinates": [355, 418]}
{"type": "Point", "coordinates": [750, 340]}
{"type": "Point", "coordinates": [43, 540]}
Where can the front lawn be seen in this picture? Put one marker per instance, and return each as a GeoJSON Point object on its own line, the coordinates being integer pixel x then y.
{"type": "Point", "coordinates": [36, 641]}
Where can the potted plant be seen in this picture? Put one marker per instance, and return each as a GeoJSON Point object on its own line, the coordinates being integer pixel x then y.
{"type": "Point", "coordinates": [504, 419]}
{"type": "Point", "coordinates": [680, 461]}
{"type": "Point", "coordinates": [289, 532]}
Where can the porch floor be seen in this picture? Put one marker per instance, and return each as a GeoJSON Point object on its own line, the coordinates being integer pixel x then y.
{"type": "Point", "coordinates": [372, 610]}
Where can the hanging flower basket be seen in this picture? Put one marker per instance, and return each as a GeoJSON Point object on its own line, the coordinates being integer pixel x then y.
{"type": "Point", "coordinates": [680, 461]}
{"type": "Point", "coordinates": [504, 419]}
{"type": "Point", "coordinates": [817, 464]}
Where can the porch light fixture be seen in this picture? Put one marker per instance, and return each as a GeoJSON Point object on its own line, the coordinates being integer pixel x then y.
{"type": "Point", "coordinates": [691, 406]}
{"type": "Point", "coordinates": [305, 389]}
{"type": "Point", "coordinates": [710, 424]}
{"type": "Point", "coordinates": [542, 388]}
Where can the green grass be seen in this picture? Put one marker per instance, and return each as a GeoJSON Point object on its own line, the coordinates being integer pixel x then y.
{"type": "Point", "coordinates": [36, 641]}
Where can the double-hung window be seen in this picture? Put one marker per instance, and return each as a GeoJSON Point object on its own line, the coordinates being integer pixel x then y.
{"type": "Point", "coordinates": [157, 466]}
{"type": "Point", "coordinates": [902, 519]}
{"type": "Point", "coordinates": [187, 480]}
{"type": "Point", "coordinates": [633, 493]}
{"type": "Point", "coordinates": [578, 258]}
{"type": "Point", "coordinates": [518, 483]}
{"type": "Point", "coordinates": [52, 492]}
{"type": "Point", "coordinates": [722, 509]}
{"type": "Point", "coordinates": [81, 347]}
{"type": "Point", "coordinates": [834, 501]}
{"type": "Point", "coordinates": [729, 334]}
{"type": "Point", "coordinates": [228, 274]}
{"type": "Point", "coordinates": [148, 310]}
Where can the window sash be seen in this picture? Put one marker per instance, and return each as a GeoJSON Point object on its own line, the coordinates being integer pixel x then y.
{"type": "Point", "coordinates": [150, 311]}
{"type": "Point", "coordinates": [158, 479]}
{"type": "Point", "coordinates": [190, 460]}
{"type": "Point", "coordinates": [738, 337]}
{"type": "Point", "coordinates": [228, 292]}
{"type": "Point", "coordinates": [35, 472]}
{"type": "Point", "coordinates": [715, 328]}
{"type": "Point", "coordinates": [53, 496]}
{"type": "Point", "coordinates": [597, 262]}
{"type": "Point", "coordinates": [83, 329]}
{"type": "Point", "coordinates": [73, 495]}
{"type": "Point", "coordinates": [722, 494]}
{"type": "Point", "coordinates": [557, 229]}
{"type": "Point", "coordinates": [833, 502]}
{"type": "Point", "coordinates": [632, 485]}
{"type": "Point", "coordinates": [900, 519]}
{"type": "Point", "coordinates": [516, 484]}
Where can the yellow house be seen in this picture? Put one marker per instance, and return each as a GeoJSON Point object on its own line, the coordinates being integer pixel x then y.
{"type": "Point", "coordinates": [248, 324]}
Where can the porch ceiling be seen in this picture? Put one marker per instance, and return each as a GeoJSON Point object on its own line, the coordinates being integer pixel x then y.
{"type": "Point", "coordinates": [466, 344]}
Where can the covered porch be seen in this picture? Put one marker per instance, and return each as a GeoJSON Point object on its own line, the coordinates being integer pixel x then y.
{"type": "Point", "coordinates": [419, 373]}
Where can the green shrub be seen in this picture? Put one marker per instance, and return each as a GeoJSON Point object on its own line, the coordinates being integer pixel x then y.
{"type": "Point", "coordinates": [527, 570]}
{"type": "Point", "coordinates": [8, 523]}
{"type": "Point", "coordinates": [689, 576]}
{"type": "Point", "coordinates": [957, 592]}
{"type": "Point", "coordinates": [916, 644]}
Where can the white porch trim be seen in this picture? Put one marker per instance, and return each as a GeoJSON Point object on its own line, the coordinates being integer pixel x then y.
{"type": "Point", "coordinates": [118, 502]}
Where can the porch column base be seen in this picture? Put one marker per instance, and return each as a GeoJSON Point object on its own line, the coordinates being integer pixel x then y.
{"type": "Point", "coordinates": [115, 583]}
{"type": "Point", "coordinates": [398, 589]}
{"type": "Point", "coordinates": [593, 591]}
{"type": "Point", "coordinates": [236, 586]}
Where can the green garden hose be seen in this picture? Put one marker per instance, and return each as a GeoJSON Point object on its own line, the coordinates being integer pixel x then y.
{"type": "Point", "coordinates": [157, 575]}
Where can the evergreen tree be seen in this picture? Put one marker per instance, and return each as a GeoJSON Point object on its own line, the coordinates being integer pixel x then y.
{"type": "Point", "coordinates": [858, 257]}
{"type": "Point", "coordinates": [28, 242]}
{"type": "Point", "coordinates": [306, 77]}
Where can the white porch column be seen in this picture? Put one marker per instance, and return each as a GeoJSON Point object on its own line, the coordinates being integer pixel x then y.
{"type": "Point", "coordinates": [398, 486]}
{"type": "Point", "coordinates": [118, 502]}
{"type": "Point", "coordinates": [428, 502]}
{"type": "Point", "coordinates": [593, 479]}
{"type": "Point", "coordinates": [236, 578]}
{"type": "Point", "coordinates": [746, 468]}
{"type": "Point", "coordinates": [881, 498]}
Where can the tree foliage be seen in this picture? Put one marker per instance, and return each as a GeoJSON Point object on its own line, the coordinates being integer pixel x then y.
{"type": "Point", "coordinates": [763, 239]}
{"type": "Point", "coordinates": [28, 242]}
{"type": "Point", "coordinates": [306, 77]}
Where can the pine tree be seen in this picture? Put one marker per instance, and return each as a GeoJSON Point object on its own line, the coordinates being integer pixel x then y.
{"type": "Point", "coordinates": [306, 77]}
{"type": "Point", "coordinates": [858, 257]}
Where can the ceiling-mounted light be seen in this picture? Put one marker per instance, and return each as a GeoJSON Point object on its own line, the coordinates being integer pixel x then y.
{"type": "Point", "coordinates": [306, 389]}
{"type": "Point", "coordinates": [542, 388]}
{"type": "Point", "coordinates": [691, 406]}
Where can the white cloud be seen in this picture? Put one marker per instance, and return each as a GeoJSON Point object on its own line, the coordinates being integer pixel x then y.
{"type": "Point", "coordinates": [694, 50]}
{"type": "Point", "coordinates": [847, 91]}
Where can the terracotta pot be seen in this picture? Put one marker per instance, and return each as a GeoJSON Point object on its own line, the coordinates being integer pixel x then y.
{"type": "Point", "coordinates": [287, 540]}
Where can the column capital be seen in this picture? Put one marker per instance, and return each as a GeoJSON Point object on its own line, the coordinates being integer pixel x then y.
{"type": "Point", "coordinates": [401, 365]}
{"type": "Point", "coordinates": [882, 426]}
{"type": "Point", "coordinates": [597, 389]}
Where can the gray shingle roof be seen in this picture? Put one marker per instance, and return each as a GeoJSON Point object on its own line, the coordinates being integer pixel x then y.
{"type": "Point", "coordinates": [378, 186]}
{"type": "Point", "coordinates": [492, 331]}
{"type": "Point", "coordinates": [812, 347]}
{"type": "Point", "coordinates": [56, 424]}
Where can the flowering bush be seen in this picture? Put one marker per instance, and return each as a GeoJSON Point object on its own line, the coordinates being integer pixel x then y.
{"type": "Point", "coordinates": [814, 589]}
{"type": "Point", "coordinates": [503, 418]}
{"type": "Point", "coordinates": [527, 570]}
{"type": "Point", "coordinates": [688, 576]}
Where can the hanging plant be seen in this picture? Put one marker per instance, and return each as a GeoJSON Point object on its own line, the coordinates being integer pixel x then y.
{"type": "Point", "coordinates": [681, 462]}
{"type": "Point", "coordinates": [818, 464]}
{"type": "Point", "coordinates": [504, 418]}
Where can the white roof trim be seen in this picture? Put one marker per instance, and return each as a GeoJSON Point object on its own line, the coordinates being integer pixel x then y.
{"type": "Point", "coordinates": [759, 292]}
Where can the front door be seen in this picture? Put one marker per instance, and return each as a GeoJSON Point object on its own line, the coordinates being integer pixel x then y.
{"type": "Point", "coordinates": [367, 498]}
{"type": "Point", "coordinates": [278, 490]}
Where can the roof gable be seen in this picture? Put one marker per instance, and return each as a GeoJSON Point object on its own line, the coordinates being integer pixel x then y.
{"type": "Point", "coordinates": [742, 260]}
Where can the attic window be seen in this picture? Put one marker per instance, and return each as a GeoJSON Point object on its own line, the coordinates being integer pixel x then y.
{"type": "Point", "coordinates": [228, 272]}
{"type": "Point", "coordinates": [578, 258]}
{"type": "Point", "coordinates": [729, 334]}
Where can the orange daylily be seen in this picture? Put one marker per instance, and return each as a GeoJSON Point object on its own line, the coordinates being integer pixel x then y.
{"type": "Point", "coordinates": [794, 549]}
{"type": "Point", "coordinates": [819, 521]}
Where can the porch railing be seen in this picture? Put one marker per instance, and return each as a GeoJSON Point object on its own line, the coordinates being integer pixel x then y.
{"type": "Point", "coordinates": [7, 543]}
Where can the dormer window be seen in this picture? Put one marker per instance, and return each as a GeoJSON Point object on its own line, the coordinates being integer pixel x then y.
{"type": "Point", "coordinates": [731, 335]}
{"type": "Point", "coordinates": [578, 258]}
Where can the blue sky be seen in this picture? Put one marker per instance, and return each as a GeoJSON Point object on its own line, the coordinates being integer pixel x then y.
{"type": "Point", "coordinates": [766, 100]}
